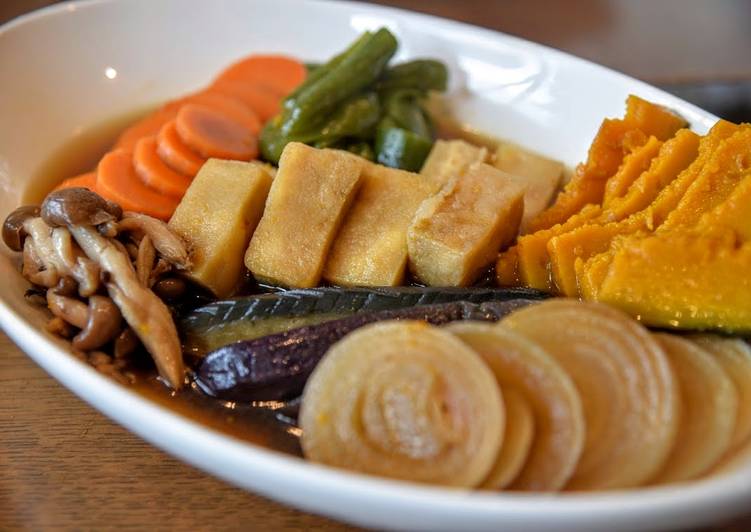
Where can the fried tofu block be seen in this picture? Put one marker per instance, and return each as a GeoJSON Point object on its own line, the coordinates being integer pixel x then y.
{"type": "Point", "coordinates": [458, 233]}
{"type": "Point", "coordinates": [217, 216]}
{"type": "Point", "coordinates": [450, 158]}
{"type": "Point", "coordinates": [540, 175]}
{"type": "Point", "coordinates": [310, 195]}
{"type": "Point", "coordinates": [371, 246]}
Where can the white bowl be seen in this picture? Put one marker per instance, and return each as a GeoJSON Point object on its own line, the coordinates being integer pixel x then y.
{"type": "Point", "coordinates": [73, 65]}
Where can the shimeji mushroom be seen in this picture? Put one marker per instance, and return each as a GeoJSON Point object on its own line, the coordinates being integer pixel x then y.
{"type": "Point", "coordinates": [79, 210]}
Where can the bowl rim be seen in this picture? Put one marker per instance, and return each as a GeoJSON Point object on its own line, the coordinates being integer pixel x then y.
{"type": "Point", "coordinates": [693, 502]}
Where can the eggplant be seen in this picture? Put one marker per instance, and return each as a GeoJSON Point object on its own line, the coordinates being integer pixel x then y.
{"type": "Point", "coordinates": [276, 367]}
{"type": "Point", "coordinates": [211, 326]}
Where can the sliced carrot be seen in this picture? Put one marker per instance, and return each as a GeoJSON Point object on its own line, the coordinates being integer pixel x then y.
{"type": "Point", "coordinates": [147, 126]}
{"type": "Point", "coordinates": [265, 101]}
{"type": "Point", "coordinates": [278, 72]}
{"type": "Point", "coordinates": [212, 135]}
{"type": "Point", "coordinates": [154, 173]}
{"type": "Point", "coordinates": [87, 180]}
{"type": "Point", "coordinates": [117, 181]}
{"type": "Point", "coordinates": [228, 106]}
{"type": "Point", "coordinates": [175, 153]}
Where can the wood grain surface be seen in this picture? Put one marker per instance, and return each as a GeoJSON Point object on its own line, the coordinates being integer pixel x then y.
{"type": "Point", "coordinates": [64, 466]}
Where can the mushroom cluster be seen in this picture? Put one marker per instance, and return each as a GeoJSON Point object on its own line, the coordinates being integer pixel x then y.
{"type": "Point", "coordinates": [102, 270]}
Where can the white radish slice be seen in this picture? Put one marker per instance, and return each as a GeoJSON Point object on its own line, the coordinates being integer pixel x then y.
{"type": "Point", "coordinates": [627, 387]}
{"type": "Point", "coordinates": [404, 400]}
{"type": "Point", "coordinates": [710, 403]}
{"type": "Point", "coordinates": [522, 365]}
{"type": "Point", "coordinates": [517, 441]}
{"type": "Point", "coordinates": [734, 355]}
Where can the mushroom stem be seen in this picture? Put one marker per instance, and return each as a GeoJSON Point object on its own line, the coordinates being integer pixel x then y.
{"type": "Point", "coordinates": [71, 310]}
{"type": "Point", "coordinates": [167, 243]}
{"type": "Point", "coordinates": [83, 270]}
{"type": "Point", "coordinates": [41, 235]}
{"type": "Point", "coordinates": [145, 260]}
{"type": "Point", "coordinates": [141, 308]}
{"type": "Point", "coordinates": [103, 324]}
{"type": "Point", "coordinates": [33, 268]}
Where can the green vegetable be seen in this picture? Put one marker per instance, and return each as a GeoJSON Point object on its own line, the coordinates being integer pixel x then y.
{"type": "Point", "coordinates": [422, 75]}
{"type": "Point", "coordinates": [363, 149]}
{"type": "Point", "coordinates": [354, 102]}
{"type": "Point", "coordinates": [400, 148]}
{"type": "Point", "coordinates": [356, 70]}
{"type": "Point", "coordinates": [403, 106]}
{"type": "Point", "coordinates": [355, 118]}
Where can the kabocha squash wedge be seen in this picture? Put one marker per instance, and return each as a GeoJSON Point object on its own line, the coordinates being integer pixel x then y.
{"type": "Point", "coordinates": [406, 401]}
{"type": "Point", "coordinates": [732, 160]}
{"type": "Point", "coordinates": [309, 197]}
{"type": "Point", "coordinates": [217, 217]}
{"type": "Point", "coordinates": [682, 281]}
{"type": "Point", "coordinates": [371, 246]}
{"type": "Point", "coordinates": [565, 248]}
{"type": "Point", "coordinates": [458, 232]}
{"type": "Point", "coordinates": [533, 259]}
{"type": "Point", "coordinates": [709, 405]}
{"type": "Point", "coordinates": [450, 158]}
{"type": "Point", "coordinates": [675, 155]}
{"type": "Point", "coordinates": [652, 119]}
{"type": "Point", "coordinates": [541, 177]}
{"type": "Point", "coordinates": [634, 164]}
{"type": "Point", "coordinates": [614, 140]}
{"type": "Point", "coordinates": [625, 382]}
{"type": "Point", "coordinates": [593, 239]}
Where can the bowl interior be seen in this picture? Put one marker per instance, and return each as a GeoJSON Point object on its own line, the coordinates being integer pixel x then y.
{"type": "Point", "coordinates": [71, 68]}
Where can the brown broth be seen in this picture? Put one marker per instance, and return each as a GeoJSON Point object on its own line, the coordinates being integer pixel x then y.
{"type": "Point", "coordinates": [252, 422]}
{"type": "Point", "coordinates": [77, 155]}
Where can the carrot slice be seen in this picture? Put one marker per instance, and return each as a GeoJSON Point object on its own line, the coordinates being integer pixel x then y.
{"type": "Point", "coordinates": [147, 126]}
{"type": "Point", "coordinates": [265, 101]}
{"type": "Point", "coordinates": [117, 181]}
{"type": "Point", "coordinates": [87, 180]}
{"type": "Point", "coordinates": [213, 135]}
{"type": "Point", "coordinates": [175, 154]}
{"type": "Point", "coordinates": [154, 173]}
{"type": "Point", "coordinates": [229, 107]}
{"type": "Point", "coordinates": [275, 71]}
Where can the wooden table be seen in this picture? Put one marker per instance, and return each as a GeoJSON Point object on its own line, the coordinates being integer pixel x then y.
{"type": "Point", "coordinates": [63, 465]}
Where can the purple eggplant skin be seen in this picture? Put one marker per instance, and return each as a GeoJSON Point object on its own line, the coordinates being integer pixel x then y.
{"type": "Point", "coordinates": [276, 367]}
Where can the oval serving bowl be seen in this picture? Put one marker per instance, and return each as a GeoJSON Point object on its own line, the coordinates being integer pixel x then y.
{"type": "Point", "coordinates": [72, 66]}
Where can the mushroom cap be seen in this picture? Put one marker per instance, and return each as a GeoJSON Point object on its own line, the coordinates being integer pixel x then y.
{"type": "Point", "coordinates": [13, 231]}
{"type": "Point", "coordinates": [78, 206]}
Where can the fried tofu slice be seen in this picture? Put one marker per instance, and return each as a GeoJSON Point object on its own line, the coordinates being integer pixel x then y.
{"type": "Point", "coordinates": [217, 215]}
{"type": "Point", "coordinates": [457, 233]}
{"type": "Point", "coordinates": [450, 158]}
{"type": "Point", "coordinates": [308, 200]}
{"type": "Point", "coordinates": [541, 177]}
{"type": "Point", "coordinates": [371, 246]}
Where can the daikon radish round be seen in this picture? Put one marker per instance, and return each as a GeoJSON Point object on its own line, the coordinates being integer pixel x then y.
{"type": "Point", "coordinates": [710, 403]}
{"type": "Point", "coordinates": [734, 355]}
{"type": "Point", "coordinates": [404, 400]}
{"type": "Point", "coordinates": [517, 440]}
{"type": "Point", "coordinates": [627, 387]}
{"type": "Point", "coordinates": [521, 365]}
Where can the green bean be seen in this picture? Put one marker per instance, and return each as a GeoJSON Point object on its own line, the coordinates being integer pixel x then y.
{"type": "Point", "coordinates": [356, 70]}
{"type": "Point", "coordinates": [403, 106]}
{"type": "Point", "coordinates": [363, 149]}
{"type": "Point", "coordinates": [355, 118]}
{"type": "Point", "coordinates": [421, 74]}
{"type": "Point", "coordinates": [400, 148]}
